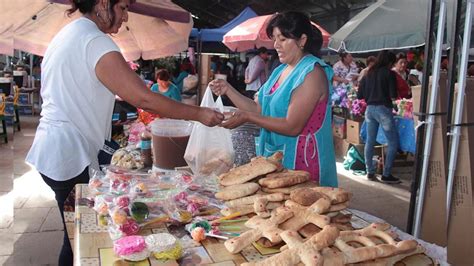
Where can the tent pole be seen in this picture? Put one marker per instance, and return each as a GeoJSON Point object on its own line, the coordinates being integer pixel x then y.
{"type": "Point", "coordinates": [31, 83]}
{"type": "Point", "coordinates": [198, 67]}
{"type": "Point", "coordinates": [423, 102]}
{"type": "Point", "coordinates": [456, 129]}
{"type": "Point", "coordinates": [453, 62]}
{"type": "Point", "coordinates": [431, 118]}
{"type": "Point", "coordinates": [8, 61]}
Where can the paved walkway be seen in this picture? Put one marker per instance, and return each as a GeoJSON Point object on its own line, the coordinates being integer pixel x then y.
{"type": "Point", "coordinates": [34, 236]}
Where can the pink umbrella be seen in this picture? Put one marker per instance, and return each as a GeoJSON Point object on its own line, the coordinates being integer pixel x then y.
{"type": "Point", "coordinates": [164, 9]}
{"type": "Point", "coordinates": [251, 34]}
{"type": "Point", "coordinates": [142, 36]}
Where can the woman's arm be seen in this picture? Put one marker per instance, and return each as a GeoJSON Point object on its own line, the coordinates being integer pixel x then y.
{"type": "Point", "coordinates": [222, 87]}
{"type": "Point", "coordinates": [313, 90]}
{"type": "Point", "coordinates": [116, 75]}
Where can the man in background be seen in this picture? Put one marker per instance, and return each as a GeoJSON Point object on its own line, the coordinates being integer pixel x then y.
{"type": "Point", "coordinates": [255, 73]}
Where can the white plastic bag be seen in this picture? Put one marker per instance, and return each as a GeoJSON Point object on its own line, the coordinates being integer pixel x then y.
{"type": "Point", "coordinates": [190, 82]}
{"type": "Point", "coordinates": [210, 151]}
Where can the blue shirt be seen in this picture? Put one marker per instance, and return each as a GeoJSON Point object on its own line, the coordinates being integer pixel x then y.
{"type": "Point", "coordinates": [172, 92]}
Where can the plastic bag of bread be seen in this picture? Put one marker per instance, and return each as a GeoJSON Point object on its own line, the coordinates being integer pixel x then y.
{"type": "Point", "coordinates": [127, 158]}
{"type": "Point", "coordinates": [210, 151]}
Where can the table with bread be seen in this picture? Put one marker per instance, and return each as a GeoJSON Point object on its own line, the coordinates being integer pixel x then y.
{"type": "Point", "coordinates": [258, 214]}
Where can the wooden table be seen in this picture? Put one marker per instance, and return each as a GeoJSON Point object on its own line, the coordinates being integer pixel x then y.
{"type": "Point", "coordinates": [92, 244]}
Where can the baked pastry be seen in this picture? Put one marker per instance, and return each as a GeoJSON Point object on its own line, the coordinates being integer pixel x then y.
{"type": "Point", "coordinates": [309, 252]}
{"type": "Point", "coordinates": [305, 215]}
{"type": "Point", "coordinates": [247, 209]}
{"type": "Point", "coordinates": [305, 196]}
{"type": "Point", "coordinates": [369, 251]}
{"type": "Point", "coordinates": [260, 227]}
{"type": "Point", "coordinates": [237, 191]}
{"type": "Point", "coordinates": [287, 190]}
{"type": "Point", "coordinates": [337, 195]}
{"type": "Point", "coordinates": [251, 199]}
{"type": "Point", "coordinates": [284, 179]}
{"type": "Point", "coordinates": [258, 166]}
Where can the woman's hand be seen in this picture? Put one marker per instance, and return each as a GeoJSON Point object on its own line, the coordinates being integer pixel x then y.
{"type": "Point", "coordinates": [235, 119]}
{"type": "Point", "coordinates": [210, 117]}
{"type": "Point", "coordinates": [219, 87]}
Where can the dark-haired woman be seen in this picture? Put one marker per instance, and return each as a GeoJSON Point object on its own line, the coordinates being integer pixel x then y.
{"type": "Point", "coordinates": [164, 86]}
{"type": "Point", "coordinates": [292, 108]}
{"type": "Point", "coordinates": [345, 70]}
{"type": "Point", "coordinates": [185, 69]}
{"type": "Point", "coordinates": [400, 68]}
{"type": "Point", "coordinates": [82, 71]}
{"type": "Point", "coordinates": [379, 89]}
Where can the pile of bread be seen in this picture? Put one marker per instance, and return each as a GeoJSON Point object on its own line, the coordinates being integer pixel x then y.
{"type": "Point", "coordinates": [288, 207]}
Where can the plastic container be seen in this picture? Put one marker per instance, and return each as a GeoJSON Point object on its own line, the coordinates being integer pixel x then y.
{"type": "Point", "coordinates": [170, 138]}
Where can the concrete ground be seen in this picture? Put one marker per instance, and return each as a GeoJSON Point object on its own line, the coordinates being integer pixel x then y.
{"type": "Point", "coordinates": [30, 224]}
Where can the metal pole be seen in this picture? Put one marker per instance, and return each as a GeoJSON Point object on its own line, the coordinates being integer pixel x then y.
{"type": "Point", "coordinates": [431, 118]}
{"type": "Point", "coordinates": [453, 62]}
{"type": "Point", "coordinates": [456, 130]}
{"type": "Point", "coordinates": [423, 102]}
{"type": "Point", "coordinates": [31, 82]}
{"type": "Point", "coordinates": [8, 62]}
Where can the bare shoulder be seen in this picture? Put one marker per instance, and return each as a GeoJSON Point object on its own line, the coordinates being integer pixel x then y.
{"type": "Point", "coordinates": [317, 78]}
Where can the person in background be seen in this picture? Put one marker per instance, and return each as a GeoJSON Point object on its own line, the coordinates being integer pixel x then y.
{"type": "Point", "coordinates": [255, 73]}
{"type": "Point", "coordinates": [370, 62]}
{"type": "Point", "coordinates": [164, 86]}
{"type": "Point", "coordinates": [379, 88]}
{"type": "Point", "coordinates": [215, 60]}
{"type": "Point", "coordinates": [470, 71]}
{"type": "Point", "coordinates": [186, 68]}
{"type": "Point", "coordinates": [292, 109]}
{"type": "Point", "coordinates": [416, 75]}
{"type": "Point", "coordinates": [400, 68]}
{"type": "Point", "coordinates": [82, 71]}
{"type": "Point", "coordinates": [273, 63]}
{"type": "Point", "coordinates": [345, 70]}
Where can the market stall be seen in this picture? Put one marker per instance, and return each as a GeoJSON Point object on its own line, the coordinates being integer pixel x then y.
{"type": "Point", "coordinates": [93, 245]}
{"type": "Point", "coordinates": [256, 213]}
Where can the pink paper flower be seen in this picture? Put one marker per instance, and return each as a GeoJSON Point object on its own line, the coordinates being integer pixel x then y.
{"type": "Point", "coordinates": [130, 227]}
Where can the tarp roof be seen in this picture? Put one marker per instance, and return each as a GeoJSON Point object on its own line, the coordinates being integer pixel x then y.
{"type": "Point", "coordinates": [217, 34]}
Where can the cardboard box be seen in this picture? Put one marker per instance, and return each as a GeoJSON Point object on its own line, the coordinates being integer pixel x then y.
{"type": "Point", "coordinates": [340, 147]}
{"type": "Point", "coordinates": [434, 206]}
{"type": "Point", "coordinates": [339, 126]}
{"type": "Point", "coordinates": [461, 219]}
{"type": "Point", "coordinates": [353, 131]}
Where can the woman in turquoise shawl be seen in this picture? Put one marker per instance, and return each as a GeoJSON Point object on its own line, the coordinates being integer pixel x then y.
{"type": "Point", "coordinates": [164, 86]}
{"type": "Point", "coordinates": [293, 108]}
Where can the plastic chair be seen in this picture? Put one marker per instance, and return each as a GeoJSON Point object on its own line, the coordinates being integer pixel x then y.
{"type": "Point", "coordinates": [16, 120]}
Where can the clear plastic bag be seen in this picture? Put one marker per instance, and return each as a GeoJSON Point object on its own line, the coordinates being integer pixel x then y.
{"type": "Point", "coordinates": [210, 151]}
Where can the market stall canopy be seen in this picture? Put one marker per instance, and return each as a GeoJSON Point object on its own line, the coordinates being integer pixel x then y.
{"type": "Point", "coordinates": [142, 36]}
{"type": "Point", "coordinates": [216, 35]}
{"type": "Point", "coordinates": [252, 34]}
{"type": "Point", "coordinates": [386, 24]}
{"type": "Point", "coordinates": [164, 9]}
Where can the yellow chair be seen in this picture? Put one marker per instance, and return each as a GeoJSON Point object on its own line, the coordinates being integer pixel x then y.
{"type": "Point", "coordinates": [2, 117]}
{"type": "Point", "coordinates": [16, 120]}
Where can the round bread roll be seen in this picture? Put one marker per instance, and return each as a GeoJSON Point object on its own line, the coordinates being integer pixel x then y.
{"type": "Point", "coordinates": [305, 196]}
{"type": "Point", "coordinates": [237, 191]}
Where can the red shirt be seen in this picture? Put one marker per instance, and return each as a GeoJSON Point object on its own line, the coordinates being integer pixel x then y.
{"type": "Point", "coordinates": [403, 89]}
